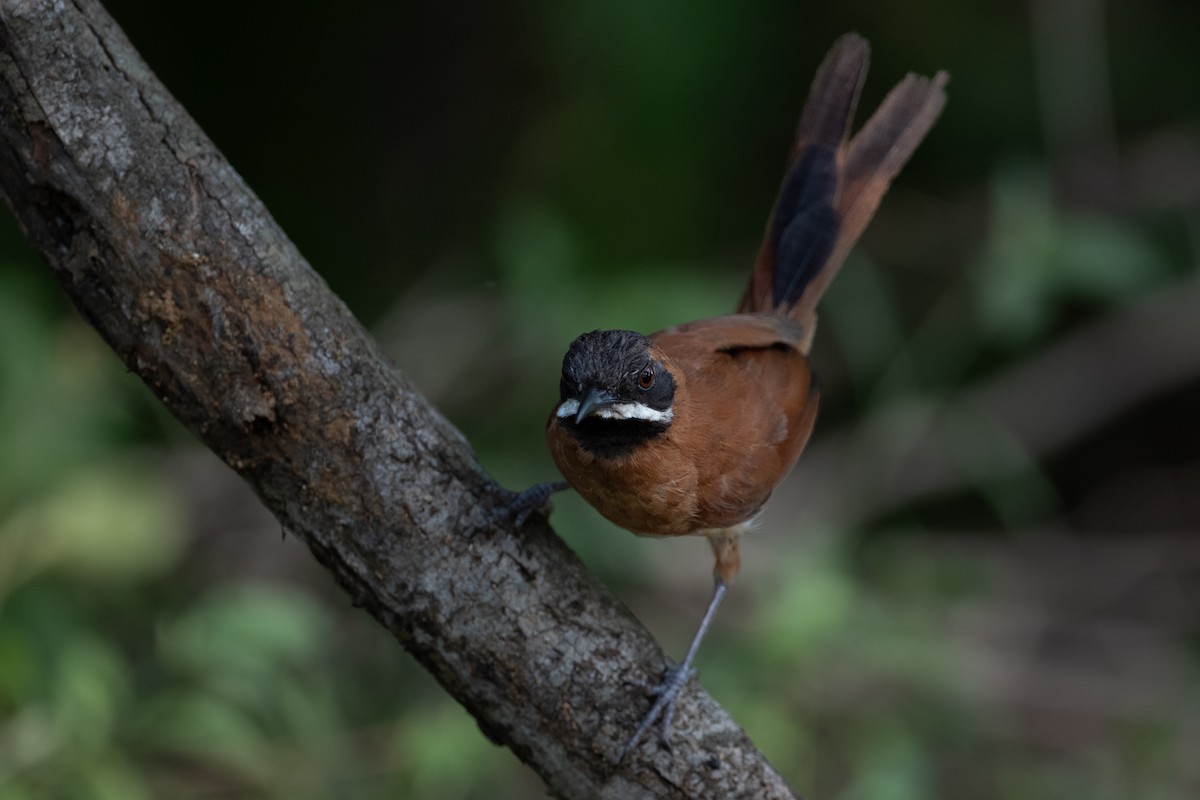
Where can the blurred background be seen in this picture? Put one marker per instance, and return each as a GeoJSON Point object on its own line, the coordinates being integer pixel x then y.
{"type": "Point", "coordinates": [983, 581]}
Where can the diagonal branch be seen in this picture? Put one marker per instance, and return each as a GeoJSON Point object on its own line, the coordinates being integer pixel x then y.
{"type": "Point", "coordinates": [163, 248]}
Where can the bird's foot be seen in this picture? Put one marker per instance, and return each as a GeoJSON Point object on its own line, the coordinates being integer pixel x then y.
{"type": "Point", "coordinates": [518, 506]}
{"type": "Point", "coordinates": [667, 691]}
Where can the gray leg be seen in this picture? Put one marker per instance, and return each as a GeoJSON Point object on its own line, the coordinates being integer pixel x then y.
{"type": "Point", "coordinates": [675, 679]}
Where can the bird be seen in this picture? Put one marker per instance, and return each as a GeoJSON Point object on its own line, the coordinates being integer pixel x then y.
{"type": "Point", "coordinates": [688, 431]}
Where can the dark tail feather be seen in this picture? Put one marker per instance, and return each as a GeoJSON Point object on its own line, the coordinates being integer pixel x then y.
{"type": "Point", "coordinates": [803, 226]}
{"type": "Point", "coordinates": [874, 157]}
{"type": "Point", "coordinates": [832, 187]}
{"type": "Point", "coordinates": [825, 120]}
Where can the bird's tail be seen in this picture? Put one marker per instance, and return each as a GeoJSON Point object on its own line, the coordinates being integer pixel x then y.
{"type": "Point", "coordinates": [833, 182]}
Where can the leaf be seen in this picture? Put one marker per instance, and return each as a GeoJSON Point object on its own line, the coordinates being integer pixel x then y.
{"type": "Point", "coordinates": [243, 637]}
{"type": "Point", "coordinates": [1037, 256]}
{"type": "Point", "coordinates": [111, 522]}
{"type": "Point", "coordinates": [199, 724]}
{"type": "Point", "coordinates": [88, 691]}
{"type": "Point", "coordinates": [812, 604]}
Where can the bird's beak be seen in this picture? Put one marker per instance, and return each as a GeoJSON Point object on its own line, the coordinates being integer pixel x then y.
{"type": "Point", "coordinates": [593, 401]}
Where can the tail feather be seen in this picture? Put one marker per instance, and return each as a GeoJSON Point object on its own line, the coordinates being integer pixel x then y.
{"type": "Point", "coordinates": [833, 186]}
{"type": "Point", "coordinates": [804, 225]}
{"type": "Point", "coordinates": [825, 120]}
{"type": "Point", "coordinates": [875, 156]}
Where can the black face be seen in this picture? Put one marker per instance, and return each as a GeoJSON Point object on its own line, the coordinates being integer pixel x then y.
{"type": "Point", "coordinates": [613, 394]}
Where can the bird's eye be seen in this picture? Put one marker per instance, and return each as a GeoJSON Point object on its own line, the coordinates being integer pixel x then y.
{"type": "Point", "coordinates": [646, 378]}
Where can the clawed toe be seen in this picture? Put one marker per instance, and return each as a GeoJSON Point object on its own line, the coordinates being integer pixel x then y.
{"type": "Point", "coordinates": [669, 688]}
{"type": "Point", "coordinates": [518, 507]}
{"type": "Point", "coordinates": [667, 691]}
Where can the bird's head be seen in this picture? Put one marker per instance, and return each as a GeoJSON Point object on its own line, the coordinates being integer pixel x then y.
{"type": "Point", "coordinates": [614, 383]}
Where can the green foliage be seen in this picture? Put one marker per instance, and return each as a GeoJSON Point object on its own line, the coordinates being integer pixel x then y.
{"type": "Point", "coordinates": [96, 524]}
{"type": "Point", "coordinates": [1038, 256]}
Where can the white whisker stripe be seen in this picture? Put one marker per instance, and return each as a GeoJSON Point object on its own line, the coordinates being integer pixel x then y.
{"type": "Point", "coordinates": [569, 408]}
{"type": "Point", "coordinates": [635, 411]}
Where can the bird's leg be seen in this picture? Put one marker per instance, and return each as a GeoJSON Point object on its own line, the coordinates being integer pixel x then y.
{"type": "Point", "coordinates": [520, 505]}
{"type": "Point", "coordinates": [668, 690]}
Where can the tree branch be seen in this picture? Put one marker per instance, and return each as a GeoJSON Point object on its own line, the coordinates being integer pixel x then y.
{"type": "Point", "coordinates": [163, 248]}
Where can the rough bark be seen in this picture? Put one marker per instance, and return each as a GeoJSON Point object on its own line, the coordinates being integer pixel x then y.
{"type": "Point", "coordinates": [164, 249]}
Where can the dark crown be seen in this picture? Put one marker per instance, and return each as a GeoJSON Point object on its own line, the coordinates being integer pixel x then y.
{"type": "Point", "coordinates": [613, 361]}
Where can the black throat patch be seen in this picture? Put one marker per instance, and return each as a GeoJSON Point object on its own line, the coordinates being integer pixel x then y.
{"type": "Point", "coordinates": [613, 438]}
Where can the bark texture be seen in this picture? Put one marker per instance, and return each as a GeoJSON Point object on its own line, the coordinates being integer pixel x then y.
{"type": "Point", "coordinates": [164, 249]}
